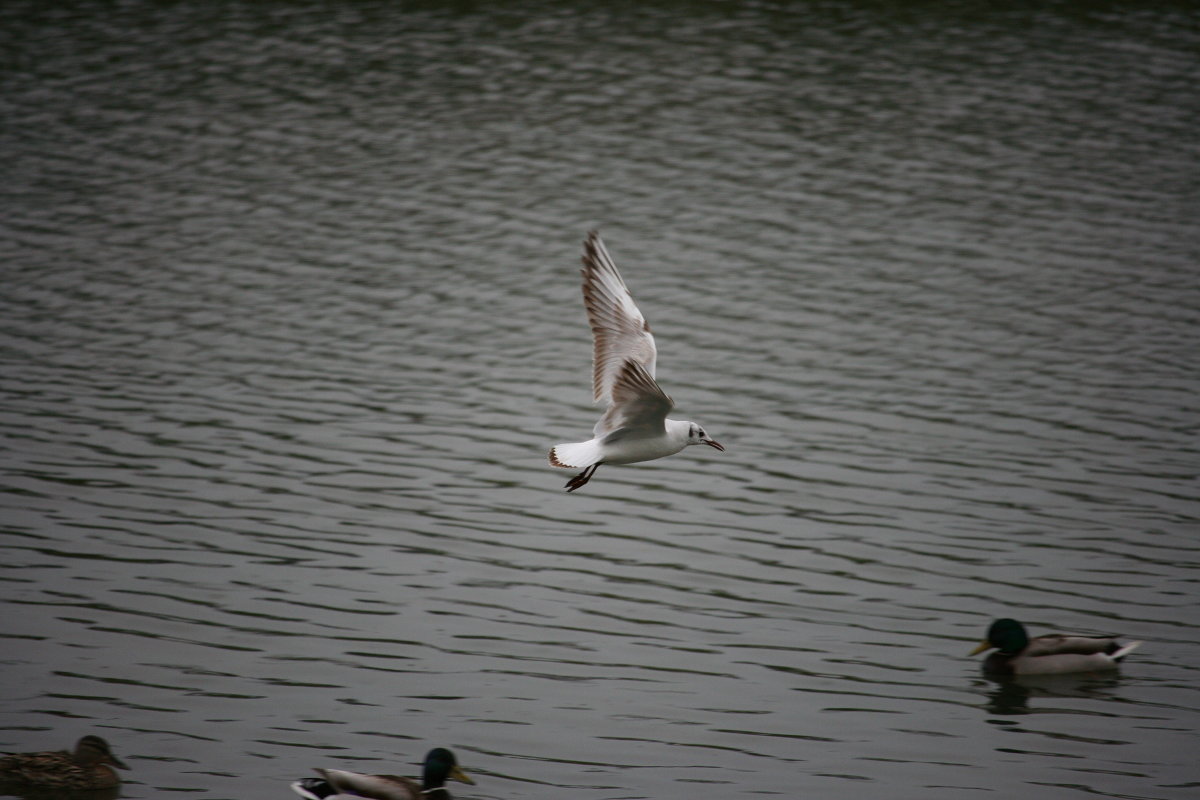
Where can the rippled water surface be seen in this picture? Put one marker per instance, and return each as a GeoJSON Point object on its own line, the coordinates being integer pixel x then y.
{"type": "Point", "coordinates": [290, 315]}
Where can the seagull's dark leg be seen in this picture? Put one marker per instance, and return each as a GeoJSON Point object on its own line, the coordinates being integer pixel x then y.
{"type": "Point", "coordinates": [583, 477]}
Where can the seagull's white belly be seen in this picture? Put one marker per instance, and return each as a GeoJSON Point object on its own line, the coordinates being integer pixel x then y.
{"type": "Point", "coordinates": [631, 449]}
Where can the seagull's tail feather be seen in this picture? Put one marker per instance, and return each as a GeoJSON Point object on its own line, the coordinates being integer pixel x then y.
{"type": "Point", "coordinates": [575, 455]}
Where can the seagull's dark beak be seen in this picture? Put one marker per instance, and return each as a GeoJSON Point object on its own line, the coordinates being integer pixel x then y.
{"type": "Point", "coordinates": [715, 444]}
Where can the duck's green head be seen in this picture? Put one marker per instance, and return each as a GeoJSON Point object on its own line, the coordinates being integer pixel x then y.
{"type": "Point", "coordinates": [441, 766]}
{"type": "Point", "coordinates": [1006, 635]}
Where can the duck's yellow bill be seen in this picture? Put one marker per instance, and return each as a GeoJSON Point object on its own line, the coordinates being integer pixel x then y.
{"type": "Point", "coordinates": [984, 645]}
{"type": "Point", "coordinates": [457, 774]}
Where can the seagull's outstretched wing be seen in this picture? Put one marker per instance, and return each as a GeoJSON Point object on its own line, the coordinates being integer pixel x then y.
{"type": "Point", "coordinates": [638, 402]}
{"type": "Point", "coordinates": [619, 331]}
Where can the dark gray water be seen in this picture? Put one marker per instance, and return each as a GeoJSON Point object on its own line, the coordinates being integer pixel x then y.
{"type": "Point", "coordinates": [290, 316]}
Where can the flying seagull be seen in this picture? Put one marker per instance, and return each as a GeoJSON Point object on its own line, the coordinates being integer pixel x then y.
{"type": "Point", "coordinates": [635, 425]}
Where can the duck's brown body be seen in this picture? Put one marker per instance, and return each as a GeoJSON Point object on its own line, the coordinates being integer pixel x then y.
{"type": "Point", "coordinates": [89, 767]}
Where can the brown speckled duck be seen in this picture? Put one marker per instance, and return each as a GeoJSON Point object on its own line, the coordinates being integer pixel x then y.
{"type": "Point", "coordinates": [89, 767]}
{"type": "Point", "coordinates": [335, 784]}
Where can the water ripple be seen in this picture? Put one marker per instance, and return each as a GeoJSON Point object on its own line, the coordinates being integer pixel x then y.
{"type": "Point", "coordinates": [291, 316]}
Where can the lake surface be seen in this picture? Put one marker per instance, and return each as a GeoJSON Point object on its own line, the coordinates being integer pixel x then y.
{"type": "Point", "coordinates": [290, 316]}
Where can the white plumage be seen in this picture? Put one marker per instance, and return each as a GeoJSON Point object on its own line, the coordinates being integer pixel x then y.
{"type": "Point", "coordinates": [634, 426]}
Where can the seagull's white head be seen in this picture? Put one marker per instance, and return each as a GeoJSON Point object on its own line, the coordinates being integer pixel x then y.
{"type": "Point", "coordinates": [696, 435]}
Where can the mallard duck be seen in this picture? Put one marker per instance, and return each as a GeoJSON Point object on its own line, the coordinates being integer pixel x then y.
{"type": "Point", "coordinates": [334, 784]}
{"type": "Point", "coordinates": [89, 767]}
{"type": "Point", "coordinates": [1051, 654]}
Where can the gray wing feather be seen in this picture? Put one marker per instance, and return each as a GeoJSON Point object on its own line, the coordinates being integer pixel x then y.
{"type": "Point", "coordinates": [619, 331]}
{"type": "Point", "coordinates": [1061, 644]}
{"type": "Point", "coordinates": [638, 402]}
